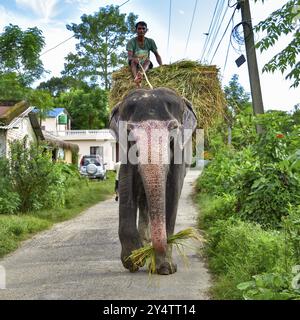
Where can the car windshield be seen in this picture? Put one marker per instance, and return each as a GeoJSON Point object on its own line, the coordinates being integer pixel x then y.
{"type": "Point", "coordinates": [91, 161]}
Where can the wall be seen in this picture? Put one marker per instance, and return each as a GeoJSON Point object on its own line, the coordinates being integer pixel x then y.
{"type": "Point", "coordinates": [109, 152]}
{"type": "Point", "coordinates": [22, 129]}
{"type": "Point", "coordinates": [51, 124]}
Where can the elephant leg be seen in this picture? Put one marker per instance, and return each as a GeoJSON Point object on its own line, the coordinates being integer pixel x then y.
{"type": "Point", "coordinates": [143, 224]}
{"type": "Point", "coordinates": [128, 233]}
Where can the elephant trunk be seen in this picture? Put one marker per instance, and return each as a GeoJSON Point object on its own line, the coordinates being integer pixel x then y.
{"type": "Point", "coordinates": [154, 180]}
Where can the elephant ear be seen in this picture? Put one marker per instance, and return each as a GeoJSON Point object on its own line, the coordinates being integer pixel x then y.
{"type": "Point", "coordinates": [189, 122]}
{"type": "Point", "coordinates": [114, 121]}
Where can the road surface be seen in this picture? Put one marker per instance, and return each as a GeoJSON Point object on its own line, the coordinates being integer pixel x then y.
{"type": "Point", "coordinates": [79, 259]}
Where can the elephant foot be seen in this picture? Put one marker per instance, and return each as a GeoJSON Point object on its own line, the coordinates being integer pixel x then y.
{"type": "Point", "coordinates": [166, 268]}
{"type": "Point", "coordinates": [128, 264]}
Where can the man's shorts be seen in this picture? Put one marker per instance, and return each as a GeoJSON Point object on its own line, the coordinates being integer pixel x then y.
{"type": "Point", "coordinates": [150, 66]}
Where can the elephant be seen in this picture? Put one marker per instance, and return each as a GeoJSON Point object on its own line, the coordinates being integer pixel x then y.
{"type": "Point", "coordinates": [150, 187]}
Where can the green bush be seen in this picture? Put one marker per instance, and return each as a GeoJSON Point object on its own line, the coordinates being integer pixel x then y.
{"type": "Point", "coordinates": [38, 182]}
{"type": "Point", "coordinates": [31, 181]}
{"type": "Point", "coordinates": [9, 200]}
{"type": "Point", "coordinates": [264, 193]}
{"type": "Point", "coordinates": [215, 208]}
{"type": "Point", "coordinates": [18, 227]}
{"type": "Point", "coordinates": [239, 250]}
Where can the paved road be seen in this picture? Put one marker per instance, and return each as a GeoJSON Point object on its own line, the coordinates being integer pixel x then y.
{"type": "Point", "coordinates": [79, 259]}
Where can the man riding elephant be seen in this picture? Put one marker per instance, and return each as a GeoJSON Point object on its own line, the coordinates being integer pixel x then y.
{"type": "Point", "coordinates": [138, 49]}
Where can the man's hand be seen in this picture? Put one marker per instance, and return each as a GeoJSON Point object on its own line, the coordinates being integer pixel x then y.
{"type": "Point", "coordinates": [135, 60]}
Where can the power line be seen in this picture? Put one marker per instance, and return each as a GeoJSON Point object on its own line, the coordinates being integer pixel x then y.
{"type": "Point", "coordinates": [209, 30]}
{"type": "Point", "coordinates": [216, 23]}
{"type": "Point", "coordinates": [223, 35]}
{"type": "Point", "coordinates": [170, 13]}
{"type": "Point", "coordinates": [228, 48]}
{"type": "Point", "coordinates": [123, 4]}
{"type": "Point", "coordinates": [73, 35]}
{"type": "Point", "coordinates": [217, 30]}
{"type": "Point", "coordinates": [188, 39]}
{"type": "Point", "coordinates": [56, 46]}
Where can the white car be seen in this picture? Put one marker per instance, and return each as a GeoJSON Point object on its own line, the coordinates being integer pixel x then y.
{"type": "Point", "coordinates": [92, 167]}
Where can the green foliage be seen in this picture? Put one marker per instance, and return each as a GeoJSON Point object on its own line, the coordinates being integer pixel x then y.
{"type": "Point", "coordinates": [238, 250]}
{"type": "Point", "coordinates": [270, 286]}
{"type": "Point", "coordinates": [35, 178]}
{"type": "Point", "coordinates": [57, 85]}
{"type": "Point", "coordinates": [249, 198]}
{"type": "Point", "coordinates": [102, 37]}
{"type": "Point", "coordinates": [31, 180]}
{"type": "Point", "coordinates": [11, 87]}
{"type": "Point", "coordinates": [88, 107]}
{"type": "Point", "coordinates": [237, 127]}
{"type": "Point", "coordinates": [282, 22]}
{"type": "Point", "coordinates": [20, 52]}
{"type": "Point", "coordinates": [16, 228]}
{"type": "Point", "coordinates": [9, 200]}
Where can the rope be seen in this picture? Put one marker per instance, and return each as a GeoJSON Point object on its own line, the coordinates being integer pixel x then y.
{"type": "Point", "coordinates": [149, 84]}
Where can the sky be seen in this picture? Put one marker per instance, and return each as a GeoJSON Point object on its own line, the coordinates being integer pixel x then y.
{"type": "Point", "coordinates": [51, 16]}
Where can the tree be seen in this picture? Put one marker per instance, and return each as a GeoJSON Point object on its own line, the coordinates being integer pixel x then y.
{"type": "Point", "coordinates": [11, 87]}
{"type": "Point", "coordinates": [282, 22]}
{"type": "Point", "coordinates": [20, 53]}
{"type": "Point", "coordinates": [58, 85]}
{"type": "Point", "coordinates": [102, 37]}
{"type": "Point", "coordinates": [236, 96]}
{"type": "Point", "coordinates": [87, 107]}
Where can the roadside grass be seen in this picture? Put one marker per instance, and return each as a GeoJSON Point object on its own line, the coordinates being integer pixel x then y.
{"type": "Point", "coordinates": [18, 227]}
{"type": "Point", "coordinates": [237, 250]}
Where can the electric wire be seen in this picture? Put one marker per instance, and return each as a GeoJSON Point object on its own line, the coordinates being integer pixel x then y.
{"type": "Point", "coordinates": [192, 21]}
{"type": "Point", "coordinates": [209, 30]}
{"type": "Point", "coordinates": [217, 32]}
{"type": "Point", "coordinates": [228, 48]}
{"type": "Point", "coordinates": [73, 35]}
{"type": "Point", "coordinates": [214, 30]}
{"type": "Point", "coordinates": [230, 20]}
{"type": "Point", "coordinates": [215, 23]}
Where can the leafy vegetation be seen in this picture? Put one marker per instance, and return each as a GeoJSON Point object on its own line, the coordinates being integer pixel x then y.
{"type": "Point", "coordinates": [281, 23]}
{"type": "Point", "coordinates": [20, 53]}
{"type": "Point", "coordinates": [35, 193]}
{"type": "Point", "coordinates": [249, 198]}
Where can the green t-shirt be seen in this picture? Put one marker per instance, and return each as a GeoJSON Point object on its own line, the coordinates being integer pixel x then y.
{"type": "Point", "coordinates": [141, 53]}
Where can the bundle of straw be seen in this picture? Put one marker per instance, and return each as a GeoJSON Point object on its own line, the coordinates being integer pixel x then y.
{"type": "Point", "coordinates": [146, 254]}
{"type": "Point", "coordinates": [198, 83]}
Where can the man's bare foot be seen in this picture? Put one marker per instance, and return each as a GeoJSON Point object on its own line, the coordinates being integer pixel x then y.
{"type": "Point", "coordinates": [138, 79]}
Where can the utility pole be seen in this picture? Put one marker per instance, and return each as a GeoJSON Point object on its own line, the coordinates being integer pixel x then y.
{"type": "Point", "coordinates": [257, 102]}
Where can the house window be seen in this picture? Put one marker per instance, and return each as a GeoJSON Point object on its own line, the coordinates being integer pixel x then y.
{"type": "Point", "coordinates": [97, 150]}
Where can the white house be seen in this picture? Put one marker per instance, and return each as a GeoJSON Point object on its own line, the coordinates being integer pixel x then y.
{"type": "Point", "coordinates": [57, 119]}
{"type": "Point", "coordinates": [92, 142]}
{"type": "Point", "coordinates": [17, 121]}
{"type": "Point", "coordinates": [58, 124]}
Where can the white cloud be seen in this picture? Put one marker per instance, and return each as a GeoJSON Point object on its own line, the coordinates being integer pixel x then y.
{"type": "Point", "coordinates": [46, 9]}
{"type": "Point", "coordinates": [181, 11]}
